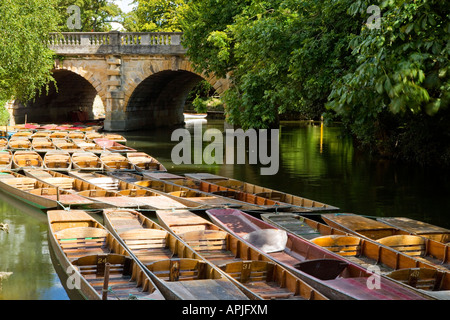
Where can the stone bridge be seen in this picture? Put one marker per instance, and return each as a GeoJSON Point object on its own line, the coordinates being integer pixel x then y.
{"type": "Point", "coordinates": [141, 80]}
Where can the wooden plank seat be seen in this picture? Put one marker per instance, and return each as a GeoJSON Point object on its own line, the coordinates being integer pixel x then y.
{"type": "Point", "coordinates": [81, 241]}
{"type": "Point", "coordinates": [122, 283]}
{"type": "Point", "coordinates": [411, 245]}
{"type": "Point", "coordinates": [64, 183]}
{"type": "Point", "coordinates": [261, 278]}
{"type": "Point", "coordinates": [178, 269]}
{"type": "Point", "coordinates": [210, 244]}
{"type": "Point", "coordinates": [420, 278]}
{"type": "Point", "coordinates": [147, 244]}
{"type": "Point", "coordinates": [347, 246]}
{"type": "Point", "coordinates": [26, 184]}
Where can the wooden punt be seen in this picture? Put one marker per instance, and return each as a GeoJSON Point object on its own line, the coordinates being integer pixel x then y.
{"type": "Point", "coordinates": [116, 162]}
{"type": "Point", "coordinates": [113, 146]}
{"type": "Point", "coordinates": [59, 135]}
{"type": "Point", "coordinates": [419, 228]}
{"type": "Point", "coordinates": [179, 193]}
{"type": "Point", "coordinates": [42, 145]}
{"type": "Point", "coordinates": [145, 162]}
{"type": "Point", "coordinates": [67, 146]}
{"type": "Point", "coordinates": [76, 135]}
{"type": "Point", "coordinates": [22, 135]}
{"type": "Point", "coordinates": [88, 250]}
{"type": "Point", "coordinates": [177, 271]}
{"type": "Point", "coordinates": [252, 270]}
{"type": "Point", "coordinates": [6, 157]}
{"type": "Point", "coordinates": [100, 180]}
{"type": "Point", "coordinates": [86, 161]}
{"type": "Point", "coordinates": [363, 251]}
{"type": "Point", "coordinates": [91, 136]}
{"type": "Point", "coordinates": [101, 197]}
{"type": "Point", "coordinates": [58, 160]}
{"type": "Point", "coordinates": [27, 160]}
{"type": "Point", "coordinates": [297, 203]}
{"type": "Point", "coordinates": [429, 250]}
{"type": "Point", "coordinates": [41, 134]}
{"type": "Point", "coordinates": [310, 261]}
{"type": "Point", "coordinates": [146, 198]}
{"type": "Point", "coordinates": [209, 188]}
{"type": "Point", "coordinates": [19, 145]}
{"type": "Point", "coordinates": [115, 137]}
{"type": "Point", "coordinates": [39, 194]}
{"type": "Point", "coordinates": [88, 146]}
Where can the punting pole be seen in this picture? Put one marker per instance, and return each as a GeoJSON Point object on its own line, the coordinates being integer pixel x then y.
{"type": "Point", "coordinates": [106, 282]}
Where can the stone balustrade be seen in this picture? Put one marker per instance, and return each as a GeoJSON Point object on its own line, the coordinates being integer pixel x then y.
{"type": "Point", "coordinates": [88, 43]}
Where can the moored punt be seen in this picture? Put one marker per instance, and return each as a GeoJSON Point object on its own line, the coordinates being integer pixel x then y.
{"type": "Point", "coordinates": [27, 160]}
{"type": "Point", "coordinates": [41, 134]}
{"type": "Point", "coordinates": [297, 203]}
{"type": "Point", "coordinates": [113, 146]}
{"type": "Point", "coordinates": [84, 247]}
{"type": "Point", "coordinates": [59, 135]}
{"type": "Point", "coordinates": [144, 162]}
{"type": "Point", "coordinates": [57, 160]}
{"type": "Point", "coordinates": [116, 162]}
{"type": "Point", "coordinates": [208, 188]}
{"type": "Point", "coordinates": [6, 159]}
{"type": "Point", "coordinates": [19, 145]}
{"type": "Point", "coordinates": [88, 146]}
{"type": "Point", "coordinates": [103, 181]}
{"type": "Point", "coordinates": [177, 192]}
{"type": "Point", "coordinates": [115, 137]}
{"type": "Point", "coordinates": [23, 134]}
{"type": "Point", "coordinates": [38, 193]}
{"type": "Point", "coordinates": [253, 271]}
{"type": "Point", "coordinates": [100, 197]}
{"type": "Point", "coordinates": [146, 198]}
{"type": "Point", "coordinates": [76, 135]}
{"type": "Point", "coordinates": [66, 146]}
{"type": "Point", "coordinates": [90, 136]}
{"type": "Point", "coordinates": [310, 261]}
{"type": "Point", "coordinates": [364, 252]}
{"type": "Point", "coordinates": [175, 268]}
{"type": "Point", "coordinates": [42, 145]}
{"type": "Point", "coordinates": [419, 228]}
{"type": "Point", "coordinates": [86, 161]}
{"type": "Point", "coordinates": [429, 250]}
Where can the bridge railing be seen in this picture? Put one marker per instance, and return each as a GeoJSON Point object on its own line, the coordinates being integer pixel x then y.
{"type": "Point", "coordinates": [116, 42]}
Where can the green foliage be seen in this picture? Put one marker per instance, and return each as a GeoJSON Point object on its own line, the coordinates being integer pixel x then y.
{"type": "Point", "coordinates": [4, 114]}
{"type": "Point", "coordinates": [401, 73]}
{"type": "Point", "coordinates": [288, 55]}
{"type": "Point", "coordinates": [154, 16]}
{"type": "Point", "coordinates": [282, 55]}
{"type": "Point", "coordinates": [25, 60]}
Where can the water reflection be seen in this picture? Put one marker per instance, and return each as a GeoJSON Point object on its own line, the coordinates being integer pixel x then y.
{"type": "Point", "coordinates": [327, 168]}
{"type": "Point", "coordinates": [25, 253]}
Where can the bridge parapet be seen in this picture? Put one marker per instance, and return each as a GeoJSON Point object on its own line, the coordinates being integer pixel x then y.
{"type": "Point", "coordinates": [117, 43]}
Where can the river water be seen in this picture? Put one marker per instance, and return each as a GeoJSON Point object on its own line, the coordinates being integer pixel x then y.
{"type": "Point", "coordinates": [314, 162]}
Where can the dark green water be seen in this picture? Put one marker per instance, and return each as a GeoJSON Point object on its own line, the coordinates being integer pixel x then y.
{"type": "Point", "coordinates": [330, 172]}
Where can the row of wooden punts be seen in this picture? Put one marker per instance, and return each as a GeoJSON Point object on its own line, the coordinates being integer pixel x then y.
{"type": "Point", "coordinates": [206, 237]}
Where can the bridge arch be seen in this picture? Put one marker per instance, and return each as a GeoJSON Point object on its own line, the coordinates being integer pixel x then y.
{"type": "Point", "coordinates": [158, 96]}
{"type": "Point", "coordinates": [74, 90]}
